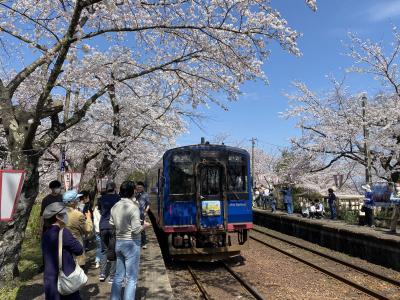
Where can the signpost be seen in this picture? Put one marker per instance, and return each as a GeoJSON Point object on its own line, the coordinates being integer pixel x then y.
{"type": "Point", "coordinates": [72, 180]}
{"type": "Point", "coordinates": [10, 189]}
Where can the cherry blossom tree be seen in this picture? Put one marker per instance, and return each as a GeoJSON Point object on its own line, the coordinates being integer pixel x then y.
{"type": "Point", "coordinates": [264, 168]}
{"type": "Point", "coordinates": [341, 126]}
{"type": "Point", "coordinates": [89, 48]}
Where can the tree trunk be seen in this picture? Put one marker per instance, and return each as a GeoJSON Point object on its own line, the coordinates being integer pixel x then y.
{"type": "Point", "coordinates": [12, 233]}
{"type": "Point", "coordinates": [395, 176]}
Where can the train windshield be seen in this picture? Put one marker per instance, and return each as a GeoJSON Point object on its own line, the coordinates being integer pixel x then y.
{"type": "Point", "coordinates": [237, 173]}
{"type": "Point", "coordinates": [210, 180]}
{"type": "Point", "coordinates": [181, 175]}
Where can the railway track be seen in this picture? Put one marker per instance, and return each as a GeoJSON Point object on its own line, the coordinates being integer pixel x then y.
{"type": "Point", "coordinates": [333, 263]}
{"type": "Point", "coordinates": [243, 283]}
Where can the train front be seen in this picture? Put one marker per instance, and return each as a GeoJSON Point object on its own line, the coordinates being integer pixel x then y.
{"type": "Point", "coordinates": [206, 201]}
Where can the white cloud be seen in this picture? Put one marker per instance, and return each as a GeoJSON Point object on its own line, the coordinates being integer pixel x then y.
{"type": "Point", "coordinates": [384, 10]}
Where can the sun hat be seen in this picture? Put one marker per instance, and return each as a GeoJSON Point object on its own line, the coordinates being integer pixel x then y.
{"type": "Point", "coordinates": [366, 187]}
{"type": "Point", "coordinates": [54, 209]}
{"type": "Point", "coordinates": [71, 196]}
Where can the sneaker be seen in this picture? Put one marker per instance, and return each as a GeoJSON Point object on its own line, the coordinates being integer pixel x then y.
{"type": "Point", "coordinates": [110, 280]}
{"type": "Point", "coordinates": [102, 278]}
{"type": "Point", "coordinates": [97, 265]}
{"type": "Point", "coordinates": [144, 247]}
{"type": "Point", "coordinates": [372, 226]}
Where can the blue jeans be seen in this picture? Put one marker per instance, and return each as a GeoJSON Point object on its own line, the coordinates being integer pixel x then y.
{"type": "Point", "coordinates": [333, 210]}
{"type": "Point", "coordinates": [289, 207]}
{"type": "Point", "coordinates": [128, 257]}
{"type": "Point", "coordinates": [273, 206]}
{"type": "Point", "coordinates": [98, 246]}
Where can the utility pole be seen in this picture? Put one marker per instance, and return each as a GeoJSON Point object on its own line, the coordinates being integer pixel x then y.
{"type": "Point", "coordinates": [367, 152]}
{"type": "Point", "coordinates": [253, 143]}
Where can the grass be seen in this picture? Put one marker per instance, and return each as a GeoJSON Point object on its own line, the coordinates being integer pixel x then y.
{"type": "Point", "coordinates": [31, 256]}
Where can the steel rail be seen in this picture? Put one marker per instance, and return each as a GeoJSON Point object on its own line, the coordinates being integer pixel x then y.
{"type": "Point", "coordinates": [366, 290]}
{"type": "Point", "coordinates": [199, 285]}
{"type": "Point", "coordinates": [244, 283]}
{"type": "Point", "coordinates": [335, 259]}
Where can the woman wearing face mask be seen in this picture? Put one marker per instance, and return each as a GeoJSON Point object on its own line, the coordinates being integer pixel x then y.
{"type": "Point", "coordinates": [79, 224]}
{"type": "Point", "coordinates": [55, 217]}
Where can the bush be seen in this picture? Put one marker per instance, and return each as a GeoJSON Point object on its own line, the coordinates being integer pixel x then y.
{"type": "Point", "coordinates": [34, 228]}
{"type": "Point", "coordinates": [350, 217]}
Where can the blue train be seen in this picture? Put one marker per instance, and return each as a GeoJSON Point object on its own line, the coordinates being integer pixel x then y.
{"type": "Point", "coordinates": [204, 201]}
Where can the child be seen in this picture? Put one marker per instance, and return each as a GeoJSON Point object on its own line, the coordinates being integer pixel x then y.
{"type": "Point", "coordinates": [319, 210]}
{"type": "Point", "coordinates": [312, 210]}
{"type": "Point", "coordinates": [304, 210]}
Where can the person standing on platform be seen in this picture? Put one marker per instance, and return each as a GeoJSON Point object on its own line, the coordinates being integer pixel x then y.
{"type": "Point", "coordinates": [265, 197]}
{"type": "Point", "coordinates": [395, 199]}
{"type": "Point", "coordinates": [55, 217]}
{"type": "Point", "coordinates": [144, 205]}
{"type": "Point", "coordinates": [78, 224]}
{"type": "Point", "coordinates": [106, 202]}
{"type": "Point", "coordinates": [369, 205]}
{"type": "Point", "coordinates": [284, 192]}
{"type": "Point", "coordinates": [256, 197]}
{"type": "Point", "coordinates": [54, 196]}
{"type": "Point", "coordinates": [272, 200]}
{"type": "Point", "coordinates": [125, 217]}
{"type": "Point", "coordinates": [288, 199]}
{"type": "Point", "coordinates": [332, 203]}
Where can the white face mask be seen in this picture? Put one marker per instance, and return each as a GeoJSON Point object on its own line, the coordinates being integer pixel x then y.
{"type": "Point", "coordinates": [81, 206]}
{"type": "Point", "coordinates": [56, 191]}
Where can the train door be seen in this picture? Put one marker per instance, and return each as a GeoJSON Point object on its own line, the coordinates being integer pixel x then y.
{"type": "Point", "coordinates": [210, 196]}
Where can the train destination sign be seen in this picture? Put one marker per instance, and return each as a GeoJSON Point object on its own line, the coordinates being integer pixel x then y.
{"type": "Point", "coordinates": [10, 189]}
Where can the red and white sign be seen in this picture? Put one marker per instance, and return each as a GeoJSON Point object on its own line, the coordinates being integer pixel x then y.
{"type": "Point", "coordinates": [10, 188]}
{"type": "Point", "coordinates": [72, 180]}
{"type": "Point", "coordinates": [67, 181]}
{"type": "Point", "coordinates": [101, 183]}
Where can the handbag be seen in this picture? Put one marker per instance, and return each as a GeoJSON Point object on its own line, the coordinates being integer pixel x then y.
{"type": "Point", "coordinates": [73, 282]}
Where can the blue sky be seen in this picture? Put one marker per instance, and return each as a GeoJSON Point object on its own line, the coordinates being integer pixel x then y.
{"type": "Point", "coordinates": [256, 114]}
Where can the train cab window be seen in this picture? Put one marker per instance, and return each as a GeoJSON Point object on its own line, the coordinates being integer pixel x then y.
{"type": "Point", "coordinates": [237, 173]}
{"type": "Point", "coordinates": [210, 180]}
{"type": "Point", "coordinates": [181, 179]}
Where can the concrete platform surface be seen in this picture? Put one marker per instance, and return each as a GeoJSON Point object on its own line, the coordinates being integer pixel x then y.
{"type": "Point", "coordinates": [376, 245]}
{"type": "Point", "coordinates": [153, 279]}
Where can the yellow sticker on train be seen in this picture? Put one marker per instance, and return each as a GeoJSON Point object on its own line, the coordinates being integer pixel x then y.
{"type": "Point", "coordinates": [211, 208]}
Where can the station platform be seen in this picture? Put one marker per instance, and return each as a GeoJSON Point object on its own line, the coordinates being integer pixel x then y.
{"type": "Point", "coordinates": [153, 282]}
{"type": "Point", "coordinates": [375, 245]}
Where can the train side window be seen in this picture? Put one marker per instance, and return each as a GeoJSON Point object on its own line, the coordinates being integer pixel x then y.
{"type": "Point", "coordinates": [237, 174]}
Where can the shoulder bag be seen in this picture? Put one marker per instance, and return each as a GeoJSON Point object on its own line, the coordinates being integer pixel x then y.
{"type": "Point", "coordinates": [73, 282]}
